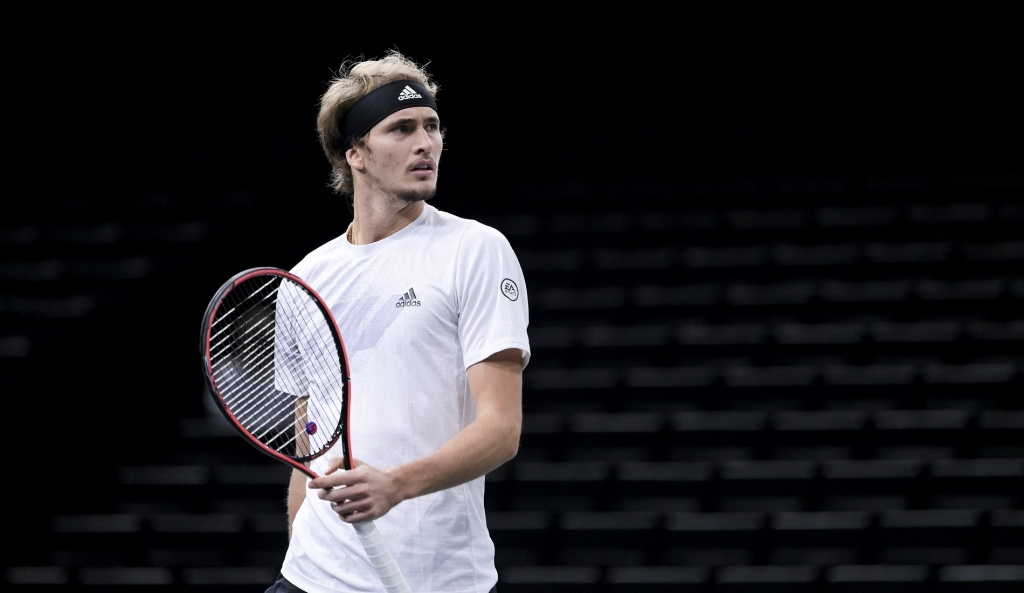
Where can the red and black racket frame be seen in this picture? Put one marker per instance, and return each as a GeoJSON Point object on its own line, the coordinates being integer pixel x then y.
{"type": "Point", "coordinates": [341, 431]}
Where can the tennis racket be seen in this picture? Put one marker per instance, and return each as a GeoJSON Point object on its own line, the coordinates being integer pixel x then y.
{"type": "Point", "coordinates": [276, 365]}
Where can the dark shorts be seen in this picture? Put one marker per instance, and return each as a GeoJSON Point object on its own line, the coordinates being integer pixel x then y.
{"type": "Point", "coordinates": [281, 585]}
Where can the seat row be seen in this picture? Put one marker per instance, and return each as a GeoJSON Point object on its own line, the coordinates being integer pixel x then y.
{"type": "Point", "coordinates": [784, 259]}
{"type": "Point", "coordinates": [914, 577]}
{"type": "Point", "coordinates": [572, 548]}
{"type": "Point", "coordinates": [204, 539]}
{"type": "Point", "coordinates": [799, 485]}
{"type": "Point", "coordinates": [745, 333]}
{"type": "Point", "coordinates": [837, 299]}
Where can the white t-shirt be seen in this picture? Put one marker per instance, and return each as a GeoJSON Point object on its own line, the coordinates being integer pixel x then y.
{"type": "Point", "coordinates": [415, 311]}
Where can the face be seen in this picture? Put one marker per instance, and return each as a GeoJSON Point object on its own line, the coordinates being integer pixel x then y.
{"type": "Point", "coordinates": [400, 155]}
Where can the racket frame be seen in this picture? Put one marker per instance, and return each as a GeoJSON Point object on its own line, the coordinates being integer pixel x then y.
{"type": "Point", "coordinates": [340, 431]}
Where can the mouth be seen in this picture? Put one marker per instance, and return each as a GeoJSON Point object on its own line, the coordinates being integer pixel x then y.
{"type": "Point", "coordinates": [423, 168]}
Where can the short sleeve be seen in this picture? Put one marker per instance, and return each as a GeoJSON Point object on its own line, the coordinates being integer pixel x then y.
{"type": "Point", "coordinates": [492, 299]}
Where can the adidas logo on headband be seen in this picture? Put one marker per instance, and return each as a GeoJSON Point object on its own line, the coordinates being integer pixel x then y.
{"type": "Point", "coordinates": [408, 93]}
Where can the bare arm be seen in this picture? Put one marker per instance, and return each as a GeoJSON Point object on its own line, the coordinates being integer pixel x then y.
{"type": "Point", "coordinates": [296, 492]}
{"type": "Point", "coordinates": [487, 442]}
{"type": "Point", "coordinates": [297, 483]}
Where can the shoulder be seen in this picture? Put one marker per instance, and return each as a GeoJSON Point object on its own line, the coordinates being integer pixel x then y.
{"type": "Point", "coordinates": [470, 232]}
{"type": "Point", "coordinates": [465, 235]}
{"type": "Point", "coordinates": [315, 258]}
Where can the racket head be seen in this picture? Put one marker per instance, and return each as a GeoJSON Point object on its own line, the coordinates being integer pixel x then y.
{"type": "Point", "coordinates": [276, 365]}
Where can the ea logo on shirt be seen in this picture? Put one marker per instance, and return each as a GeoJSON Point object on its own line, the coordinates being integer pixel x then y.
{"type": "Point", "coordinates": [509, 289]}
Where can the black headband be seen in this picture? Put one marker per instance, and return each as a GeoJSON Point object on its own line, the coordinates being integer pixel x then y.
{"type": "Point", "coordinates": [380, 103]}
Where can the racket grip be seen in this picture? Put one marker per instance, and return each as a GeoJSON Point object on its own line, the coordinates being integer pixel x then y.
{"type": "Point", "coordinates": [381, 558]}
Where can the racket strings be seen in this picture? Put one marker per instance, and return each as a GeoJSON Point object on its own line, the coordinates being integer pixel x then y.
{"type": "Point", "coordinates": [276, 366]}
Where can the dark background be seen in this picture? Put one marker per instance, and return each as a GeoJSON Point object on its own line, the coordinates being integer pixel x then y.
{"type": "Point", "coordinates": [216, 125]}
{"type": "Point", "coordinates": [206, 134]}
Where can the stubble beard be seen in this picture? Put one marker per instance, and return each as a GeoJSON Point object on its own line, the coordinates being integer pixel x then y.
{"type": "Point", "coordinates": [415, 195]}
{"type": "Point", "coordinates": [408, 196]}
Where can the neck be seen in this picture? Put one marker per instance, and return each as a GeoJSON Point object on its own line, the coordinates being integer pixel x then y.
{"type": "Point", "coordinates": [372, 223]}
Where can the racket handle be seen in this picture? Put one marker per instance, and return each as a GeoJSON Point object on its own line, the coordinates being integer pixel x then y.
{"type": "Point", "coordinates": [381, 558]}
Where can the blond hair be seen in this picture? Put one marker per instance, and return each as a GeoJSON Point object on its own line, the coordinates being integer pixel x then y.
{"type": "Point", "coordinates": [352, 82]}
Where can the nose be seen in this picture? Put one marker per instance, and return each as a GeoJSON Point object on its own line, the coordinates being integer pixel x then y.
{"type": "Point", "coordinates": [424, 141]}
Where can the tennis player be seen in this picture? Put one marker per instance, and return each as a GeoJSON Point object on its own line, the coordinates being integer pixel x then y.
{"type": "Point", "coordinates": [433, 311]}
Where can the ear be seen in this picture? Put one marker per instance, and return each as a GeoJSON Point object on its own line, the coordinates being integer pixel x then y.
{"type": "Point", "coordinates": [355, 159]}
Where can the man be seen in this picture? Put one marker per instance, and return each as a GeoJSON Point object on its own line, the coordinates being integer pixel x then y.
{"type": "Point", "coordinates": [433, 311]}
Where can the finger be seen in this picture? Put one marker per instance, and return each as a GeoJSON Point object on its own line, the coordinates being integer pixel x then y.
{"type": "Point", "coordinates": [352, 513]}
{"type": "Point", "coordinates": [334, 464]}
{"type": "Point", "coordinates": [331, 477]}
{"type": "Point", "coordinates": [321, 483]}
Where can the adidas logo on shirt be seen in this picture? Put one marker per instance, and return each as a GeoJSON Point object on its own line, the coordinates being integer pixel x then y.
{"type": "Point", "coordinates": [409, 298]}
{"type": "Point", "coordinates": [408, 93]}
